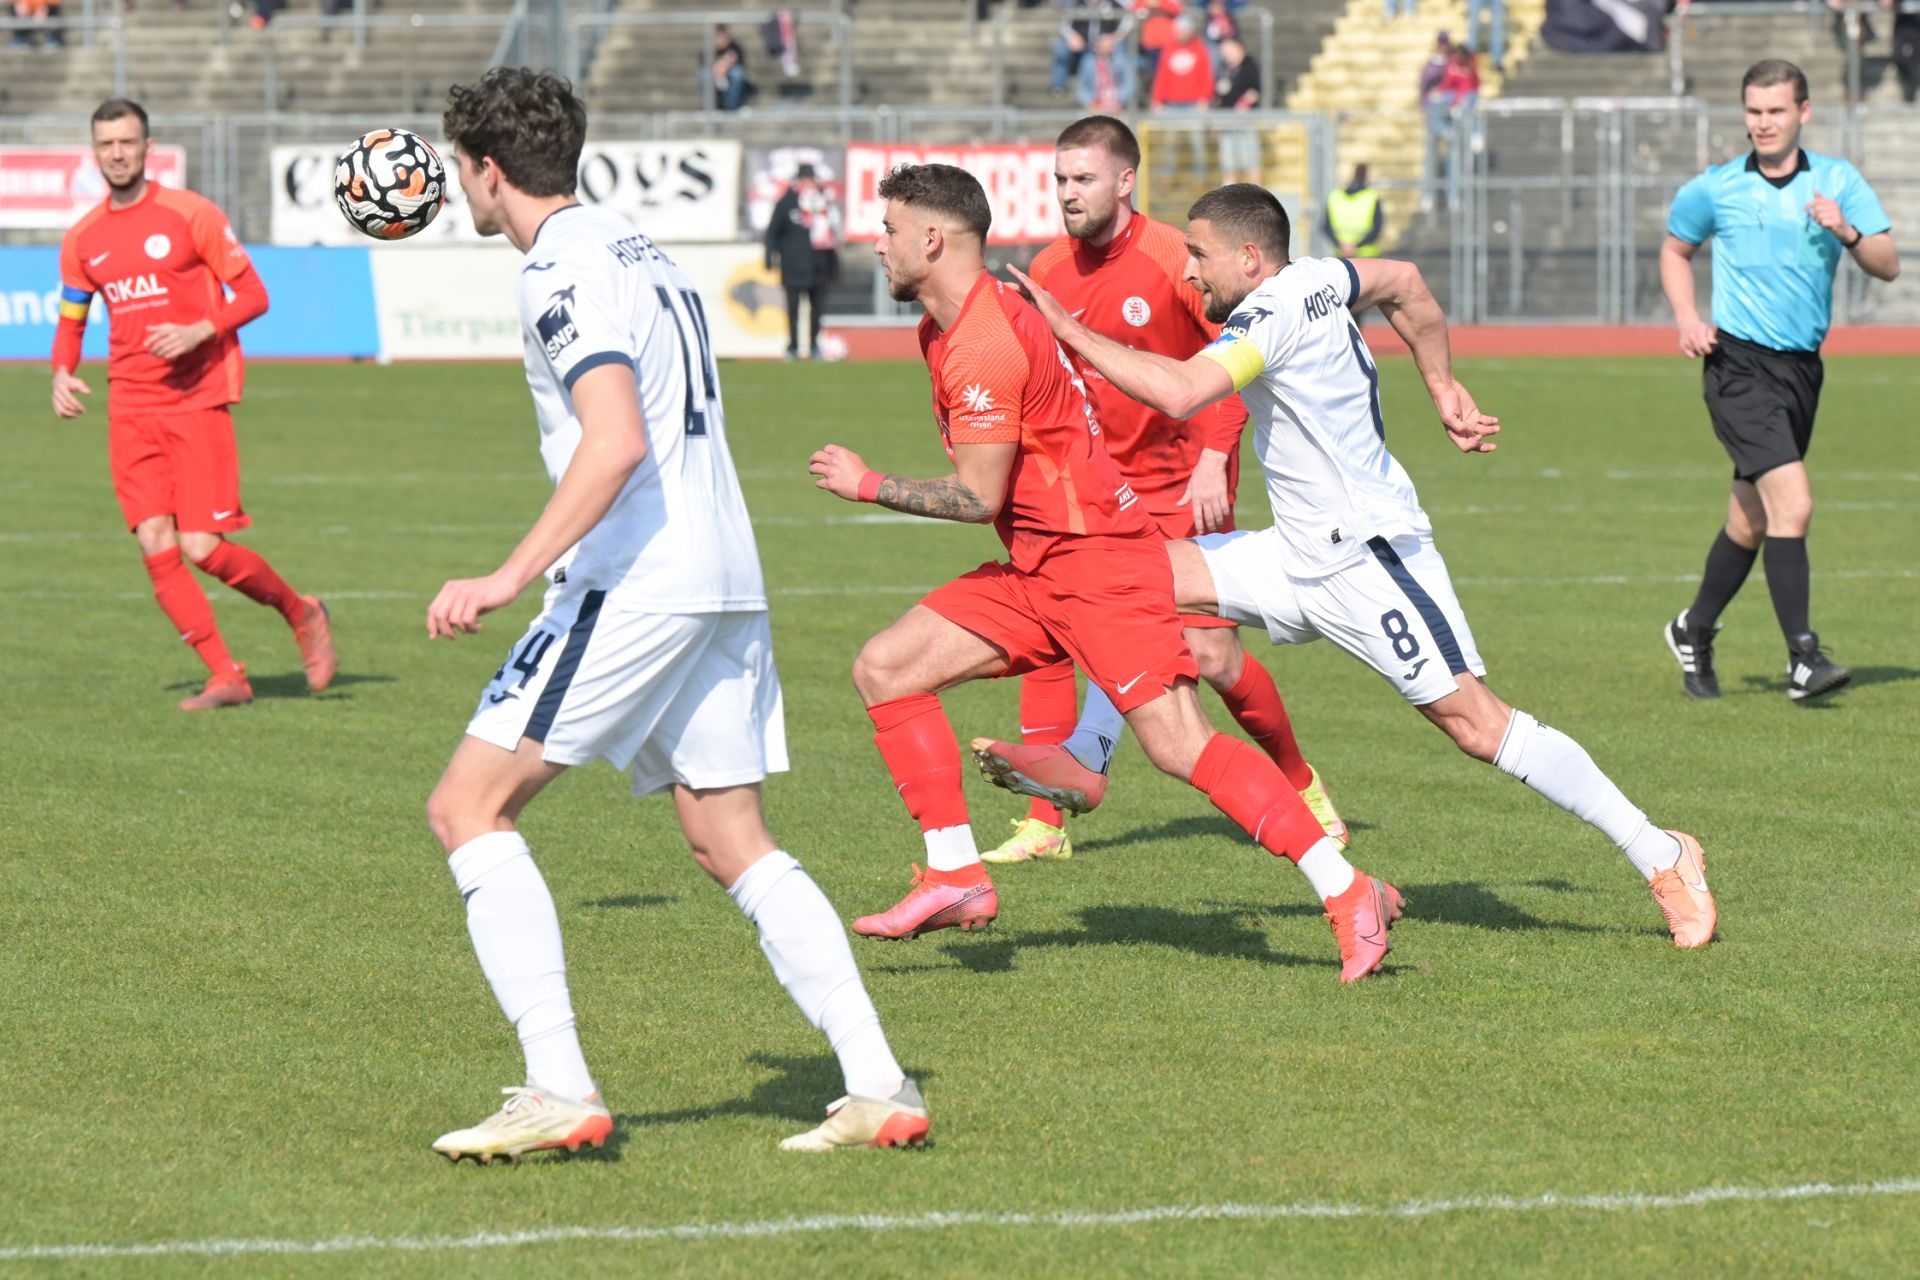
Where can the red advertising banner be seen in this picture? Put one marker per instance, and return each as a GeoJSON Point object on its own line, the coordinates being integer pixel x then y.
{"type": "Point", "coordinates": [1018, 179]}
{"type": "Point", "coordinates": [50, 187]}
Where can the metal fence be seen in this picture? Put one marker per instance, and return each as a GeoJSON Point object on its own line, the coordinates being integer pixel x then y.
{"type": "Point", "coordinates": [1554, 210]}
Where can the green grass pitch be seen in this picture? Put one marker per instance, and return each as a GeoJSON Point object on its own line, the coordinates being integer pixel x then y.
{"type": "Point", "coordinates": [238, 999]}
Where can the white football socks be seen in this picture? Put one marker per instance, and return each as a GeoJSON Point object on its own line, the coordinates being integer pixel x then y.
{"type": "Point", "coordinates": [951, 848]}
{"type": "Point", "coordinates": [1098, 733]}
{"type": "Point", "coordinates": [1326, 869]}
{"type": "Point", "coordinates": [1560, 769]}
{"type": "Point", "coordinates": [807, 946]}
{"type": "Point", "coordinates": [516, 935]}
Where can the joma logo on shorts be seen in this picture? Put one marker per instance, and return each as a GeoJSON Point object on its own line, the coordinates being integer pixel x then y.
{"type": "Point", "coordinates": [147, 286]}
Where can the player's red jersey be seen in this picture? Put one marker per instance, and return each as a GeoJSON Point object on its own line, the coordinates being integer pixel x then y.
{"type": "Point", "coordinates": [160, 260]}
{"type": "Point", "coordinates": [1131, 290]}
{"type": "Point", "coordinates": [1000, 377]}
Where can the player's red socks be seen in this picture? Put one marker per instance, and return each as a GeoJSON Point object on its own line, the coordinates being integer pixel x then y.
{"type": "Point", "coordinates": [248, 572]}
{"type": "Point", "coordinates": [1255, 705]}
{"type": "Point", "coordinates": [1250, 789]}
{"type": "Point", "coordinates": [185, 605]}
{"type": "Point", "coordinates": [916, 741]}
{"type": "Point", "coordinates": [1048, 704]}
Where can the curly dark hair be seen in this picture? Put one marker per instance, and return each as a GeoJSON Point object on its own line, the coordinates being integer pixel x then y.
{"type": "Point", "coordinates": [942, 189]}
{"type": "Point", "coordinates": [1246, 214]}
{"type": "Point", "coordinates": [527, 122]}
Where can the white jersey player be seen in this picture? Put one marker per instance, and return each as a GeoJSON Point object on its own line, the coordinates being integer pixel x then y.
{"type": "Point", "coordinates": [652, 650]}
{"type": "Point", "coordinates": [1350, 555]}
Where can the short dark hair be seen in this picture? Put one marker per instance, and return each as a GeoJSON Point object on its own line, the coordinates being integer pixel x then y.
{"type": "Point", "coordinates": [120, 109]}
{"type": "Point", "coordinates": [527, 122]}
{"type": "Point", "coordinates": [1105, 132]}
{"type": "Point", "coordinates": [1771, 71]}
{"type": "Point", "coordinates": [942, 189]}
{"type": "Point", "coordinates": [1246, 214]}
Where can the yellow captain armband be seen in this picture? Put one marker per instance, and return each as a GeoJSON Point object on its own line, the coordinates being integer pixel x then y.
{"type": "Point", "coordinates": [1239, 357]}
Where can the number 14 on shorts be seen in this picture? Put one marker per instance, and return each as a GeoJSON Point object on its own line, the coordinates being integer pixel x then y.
{"type": "Point", "coordinates": [526, 660]}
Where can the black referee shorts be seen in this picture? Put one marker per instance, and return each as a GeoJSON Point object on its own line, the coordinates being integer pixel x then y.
{"type": "Point", "coordinates": [1762, 403]}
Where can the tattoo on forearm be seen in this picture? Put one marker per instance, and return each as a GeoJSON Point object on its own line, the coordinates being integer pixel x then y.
{"type": "Point", "coordinates": [943, 499]}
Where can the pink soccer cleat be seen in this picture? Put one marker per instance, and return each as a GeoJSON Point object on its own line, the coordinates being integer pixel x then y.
{"type": "Point", "coordinates": [1048, 772]}
{"type": "Point", "coordinates": [963, 899]}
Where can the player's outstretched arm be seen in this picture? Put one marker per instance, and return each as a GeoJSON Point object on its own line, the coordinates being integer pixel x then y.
{"type": "Point", "coordinates": [613, 441]}
{"type": "Point", "coordinates": [1676, 281]}
{"type": "Point", "coordinates": [973, 494]}
{"type": "Point", "coordinates": [1401, 293]}
{"type": "Point", "coordinates": [1177, 388]}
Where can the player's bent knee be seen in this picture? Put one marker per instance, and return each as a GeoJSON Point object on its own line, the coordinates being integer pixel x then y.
{"type": "Point", "coordinates": [198, 546]}
{"type": "Point", "coordinates": [1218, 654]}
{"type": "Point", "coordinates": [883, 669]}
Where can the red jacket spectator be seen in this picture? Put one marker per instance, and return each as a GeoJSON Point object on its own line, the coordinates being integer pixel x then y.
{"type": "Point", "coordinates": [1185, 75]}
{"type": "Point", "coordinates": [1460, 84]}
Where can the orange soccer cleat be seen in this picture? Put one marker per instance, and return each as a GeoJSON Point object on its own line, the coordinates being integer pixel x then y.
{"type": "Point", "coordinates": [225, 689]}
{"type": "Point", "coordinates": [314, 635]}
{"type": "Point", "coordinates": [963, 899]}
{"type": "Point", "coordinates": [1049, 772]}
{"type": "Point", "coordinates": [1681, 890]}
{"type": "Point", "coordinates": [1360, 918]}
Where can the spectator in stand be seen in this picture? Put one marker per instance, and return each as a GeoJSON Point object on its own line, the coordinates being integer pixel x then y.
{"type": "Point", "coordinates": [729, 74]}
{"type": "Point", "coordinates": [1437, 109]}
{"type": "Point", "coordinates": [1906, 53]}
{"type": "Point", "coordinates": [803, 239]}
{"type": "Point", "coordinates": [1156, 32]}
{"type": "Point", "coordinates": [1218, 27]}
{"type": "Point", "coordinates": [1353, 220]}
{"type": "Point", "coordinates": [1183, 83]}
{"type": "Point", "coordinates": [1106, 79]}
{"type": "Point", "coordinates": [1238, 90]}
{"type": "Point", "coordinates": [1496, 46]}
{"type": "Point", "coordinates": [1083, 23]}
{"type": "Point", "coordinates": [1460, 83]}
{"type": "Point", "coordinates": [42, 12]}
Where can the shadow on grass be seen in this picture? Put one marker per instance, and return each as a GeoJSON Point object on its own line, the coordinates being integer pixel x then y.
{"type": "Point", "coordinates": [292, 684]}
{"type": "Point", "coordinates": [799, 1090]}
{"type": "Point", "coordinates": [634, 900]}
{"type": "Point", "coordinates": [1465, 903]}
{"type": "Point", "coordinates": [1862, 677]}
{"type": "Point", "coordinates": [1224, 934]}
{"type": "Point", "coordinates": [1195, 827]}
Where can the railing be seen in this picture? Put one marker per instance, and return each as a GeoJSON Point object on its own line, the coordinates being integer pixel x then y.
{"type": "Point", "coordinates": [1001, 17]}
{"type": "Point", "coordinates": [1547, 209]}
{"type": "Point", "coordinates": [1817, 12]}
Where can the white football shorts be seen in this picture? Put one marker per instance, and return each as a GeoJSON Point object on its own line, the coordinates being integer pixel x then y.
{"type": "Point", "coordinates": [1395, 610]}
{"type": "Point", "coordinates": [690, 698]}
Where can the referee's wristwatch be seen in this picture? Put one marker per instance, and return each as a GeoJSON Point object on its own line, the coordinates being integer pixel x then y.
{"type": "Point", "coordinates": [1858, 236]}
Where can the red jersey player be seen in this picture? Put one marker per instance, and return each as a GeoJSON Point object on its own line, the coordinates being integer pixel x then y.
{"type": "Point", "coordinates": [1121, 273]}
{"type": "Point", "coordinates": [160, 258]}
{"type": "Point", "coordinates": [1087, 580]}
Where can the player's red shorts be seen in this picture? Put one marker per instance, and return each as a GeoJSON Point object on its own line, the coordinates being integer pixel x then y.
{"type": "Point", "coordinates": [180, 463]}
{"type": "Point", "coordinates": [1106, 603]}
{"type": "Point", "coordinates": [1177, 523]}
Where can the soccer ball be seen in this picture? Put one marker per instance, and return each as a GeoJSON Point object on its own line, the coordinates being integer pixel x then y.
{"type": "Point", "coordinates": [390, 184]}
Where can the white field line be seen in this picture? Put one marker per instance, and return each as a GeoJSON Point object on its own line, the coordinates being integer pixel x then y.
{"type": "Point", "coordinates": [1549, 1202]}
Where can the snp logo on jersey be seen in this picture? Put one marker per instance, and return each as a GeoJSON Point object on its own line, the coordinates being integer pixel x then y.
{"type": "Point", "coordinates": [556, 326]}
{"type": "Point", "coordinates": [1240, 323]}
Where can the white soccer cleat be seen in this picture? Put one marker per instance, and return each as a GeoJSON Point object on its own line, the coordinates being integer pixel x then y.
{"type": "Point", "coordinates": [532, 1120]}
{"type": "Point", "coordinates": [899, 1121]}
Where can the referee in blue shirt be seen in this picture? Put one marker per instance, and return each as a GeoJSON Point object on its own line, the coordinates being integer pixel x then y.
{"type": "Point", "coordinates": [1782, 216]}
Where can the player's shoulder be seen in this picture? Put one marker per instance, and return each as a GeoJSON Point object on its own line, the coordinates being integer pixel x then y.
{"type": "Point", "coordinates": [995, 331]}
{"type": "Point", "coordinates": [1164, 245]}
{"type": "Point", "coordinates": [87, 222]}
{"type": "Point", "coordinates": [1052, 256]}
{"type": "Point", "coordinates": [190, 205]}
{"type": "Point", "coordinates": [1835, 169]}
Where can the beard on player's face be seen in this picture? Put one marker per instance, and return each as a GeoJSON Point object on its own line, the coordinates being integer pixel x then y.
{"type": "Point", "coordinates": [1090, 216]}
{"type": "Point", "coordinates": [1220, 305]}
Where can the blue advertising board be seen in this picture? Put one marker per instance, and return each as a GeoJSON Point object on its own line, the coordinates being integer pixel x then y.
{"type": "Point", "coordinates": [321, 305]}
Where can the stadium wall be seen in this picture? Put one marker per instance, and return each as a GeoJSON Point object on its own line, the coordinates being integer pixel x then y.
{"type": "Point", "coordinates": [399, 303]}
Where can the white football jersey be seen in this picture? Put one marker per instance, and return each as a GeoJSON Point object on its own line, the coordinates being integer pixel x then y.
{"type": "Point", "coordinates": [594, 291]}
{"type": "Point", "coordinates": [1313, 399]}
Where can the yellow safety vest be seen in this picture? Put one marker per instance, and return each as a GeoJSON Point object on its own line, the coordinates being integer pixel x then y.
{"type": "Point", "coordinates": [1351, 215]}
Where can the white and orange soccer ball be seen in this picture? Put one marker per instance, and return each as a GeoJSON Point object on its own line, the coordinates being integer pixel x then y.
{"type": "Point", "coordinates": [390, 184]}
